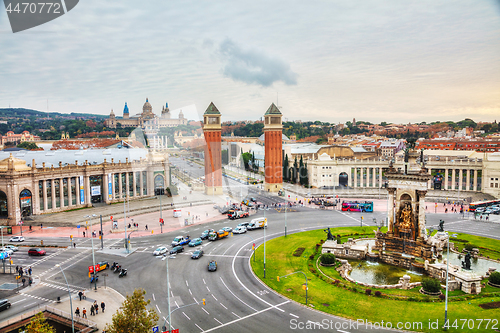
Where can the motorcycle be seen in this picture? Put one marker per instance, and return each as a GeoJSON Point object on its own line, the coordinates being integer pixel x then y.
{"type": "Point", "coordinates": [114, 265]}
{"type": "Point", "coordinates": [117, 268]}
{"type": "Point", "coordinates": [123, 272]}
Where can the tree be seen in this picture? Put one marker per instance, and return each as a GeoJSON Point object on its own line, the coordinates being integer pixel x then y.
{"type": "Point", "coordinates": [38, 324]}
{"type": "Point", "coordinates": [246, 159]}
{"type": "Point", "coordinates": [286, 174]}
{"type": "Point", "coordinates": [133, 317]}
{"type": "Point", "coordinates": [28, 145]}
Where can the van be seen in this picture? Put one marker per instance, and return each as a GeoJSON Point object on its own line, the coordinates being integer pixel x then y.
{"type": "Point", "coordinates": [257, 223]}
{"type": "Point", "coordinates": [4, 304]}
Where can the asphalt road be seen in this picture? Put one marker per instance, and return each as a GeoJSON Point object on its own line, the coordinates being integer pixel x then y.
{"type": "Point", "coordinates": [235, 299]}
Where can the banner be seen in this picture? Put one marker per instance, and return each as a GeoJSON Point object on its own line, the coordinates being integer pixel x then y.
{"type": "Point", "coordinates": [110, 186]}
{"type": "Point", "coordinates": [95, 190]}
{"type": "Point", "coordinates": [82, 198]}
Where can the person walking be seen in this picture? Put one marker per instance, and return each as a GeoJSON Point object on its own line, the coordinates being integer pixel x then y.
{"type": "Point", "coordinates": [96, 307]}
{"type": "Point", "coordinates": [30, 271]}
{"type": "Point", "coordinates": [84, 234]}
{"type": "Point", "coordinates": [77, 311]}
{"type": "Point", "coordinates": [146, 227]}
{"type": "Point", "coordinates": [102, 306]}
{"type": "Point", "coordinates": [74, 245]}
{"type": "Point", "coordinates": [92, 311]}
{"type": "Point", "coordinates": [84, 313]}
{"type": "Point", "coordinates": [80, 294]}
{"type": "Point", "coordinates": [24, 281]}
{"type": "Point", "coordinates": [17, 269]}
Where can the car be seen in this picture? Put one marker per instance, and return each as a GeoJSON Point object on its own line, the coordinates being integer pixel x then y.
{"type": "Point", "coordinates": [160, 251]}
{"type": "Point", "coordinates": [6, 249]}
{"type": "Point", "coordinates": [197, 254]}
{"type": "Point", "coordinates": [194, 242]}
{"type": "Point", "coordinates": [103, 265]}
{"type": "Point", "coordinates": [177, 249]}
{"type": "Point", "coordinates": [12, 247]}
{"type": "Point", "coordinates": [36, 252]}
{"type": "Point", "coordinates": [228, 229]}
{"type": "Point", "coordinates": [253, 200]}
{"type": "Point", "coordinates": [4, 304]}
{"type": "Point", "coordinates": [180, 240]}
{"type": "Point", "coordinates": [243, 224]}
{"type": "Point", "coordinates": [212, 266]}
{"type": "Point", "coordinates": [240, 230]}
{"type": "Point", "coordinates": [204, 234]}
{"type": "Point", "coordinates": [16, 239]}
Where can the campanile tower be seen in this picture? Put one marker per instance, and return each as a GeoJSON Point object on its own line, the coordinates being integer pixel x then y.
{"type": "Point", "coordinates": [273, 129]}
{"type": "Point", "coordinates": [213, 153]}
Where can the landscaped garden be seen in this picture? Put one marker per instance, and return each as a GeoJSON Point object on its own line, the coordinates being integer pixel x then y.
{"type": "Point", "coordinates": [330, 293]}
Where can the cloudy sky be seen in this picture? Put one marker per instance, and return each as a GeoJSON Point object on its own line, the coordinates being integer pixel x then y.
{"type": "Point", "coordinates": [395, 61]}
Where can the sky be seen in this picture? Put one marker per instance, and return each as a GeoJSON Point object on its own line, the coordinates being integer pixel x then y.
{"type": "Point", "coordinates": [393, 61]}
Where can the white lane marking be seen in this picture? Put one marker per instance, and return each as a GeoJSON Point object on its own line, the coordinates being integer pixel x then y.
{"type": "Point", "coordinates": [291, 314]}
{"type": "Point", "coordinates": [187, 284]}
{"type": "Point", "coordinates": [235, 314]}
{"type": "Point", "coordinates": [201, 329]}
{"type": "Point", "coordinates": [204, 281]}
{"type": "Point", "coordinates": [196, 301]}
{"type": "Point", "coordinates": [236, 296]}
{"type": "Point", "coordinates": [29, 304]}
{"type": "Point", "coordinates": [177, 304]}
{"type": "Point", "coordinates": [154, 297]}
{"type": "Point", "coordinates": [214, 297]}
{"type": "Point", "coordinates": [228, 249]}
{"type": "Point", "coordinates": [190, 292]}
{"type": "Point", "coordinates": [186, 315]}
{"type": "Point", "coordinates": [208, 289]}
{"type": "Point", "coordinates": [19, 301]}
{"type": "Point", "coordinates": [172, 293]}
{"type": "Point", "coordinates": [158, 308]}
{"type": "Point", "coordinates": [205, 311]}
{"type": "Point", "coordinates": [217, 320]}
{"type": "Point", "coordinates": [223, 306]}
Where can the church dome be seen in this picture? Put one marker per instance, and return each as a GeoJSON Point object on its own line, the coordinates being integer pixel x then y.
{"type": "Point", "coordinates": [125, 109]}
{"type": "Point", "coordinates": [147, 108]}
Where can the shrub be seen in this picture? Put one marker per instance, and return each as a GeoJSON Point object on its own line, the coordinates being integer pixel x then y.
{"type": "Point", "coordinates": [368, 292]}
{"type": "Point", "coordinates": [311, 257]}
{"type": "Point", "coordinates": [442, 297]}
{"type": "Point", "coordinates": [327, 258]}
{"type": "Point", "coordinates": [378, 293]}
{"type": "Point", "coordinates": [431, 285]}
{"type": "Point", "coordinates": [495, 278]}
{"type": "Point", "coordinates": [469, 246]}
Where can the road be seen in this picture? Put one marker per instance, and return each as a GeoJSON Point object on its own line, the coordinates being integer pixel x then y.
{"type": "Point", "coordinates": [235, 299]}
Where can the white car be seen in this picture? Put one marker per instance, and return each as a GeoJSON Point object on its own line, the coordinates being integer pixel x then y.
{"type": "Point", "coordinates": [16, 239]}
{"type": "Point", "coordinates": [159, 251]}
{"type": "Point", "coordinates": [240, 230]}
{"type": "Point", "coordinates": [12, 247]}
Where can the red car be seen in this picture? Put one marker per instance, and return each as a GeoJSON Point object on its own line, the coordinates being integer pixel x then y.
{"type": "Point", "coordinates": [36, 252]}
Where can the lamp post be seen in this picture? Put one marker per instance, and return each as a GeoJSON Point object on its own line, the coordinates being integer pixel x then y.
{"type": "Point", "coordinates": [70, 300]}
{"type": "Point", "coordinates": [168, 299]}
{"type": "Point", "coordinates": [446, 296]}
{"type": "Point", "coordinates": [92, 241]}
{"type": "Point", "coordinates": [125, 221]}
{"type": "Point", "coordinates": [286, 206]}
{"type": "Point", "coordinates": [265, 243]}
{"type": "Point", "coordinates": [2, 234]}
{"type": "Point", "coordinates": [161, 219]}
{"type": "Point", "coordinates": [305, 276]}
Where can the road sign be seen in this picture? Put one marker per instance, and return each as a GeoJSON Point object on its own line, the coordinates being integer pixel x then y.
{"type": "Point", "coordinates": [111, 217]}
{"type": "Point", "coordinates": [91, 269]}
{"type": "Point", "coordinates": [97, 267]}
{"type": "Point", "coordinates": [78, 226]}
{"type": "Point", "coordinates": [156, 329]}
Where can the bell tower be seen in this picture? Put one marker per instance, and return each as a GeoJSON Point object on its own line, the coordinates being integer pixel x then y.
{"type": "Point", "coordinates": [273, 129]}
{"type": "Point", "coordinates": [213, 154]}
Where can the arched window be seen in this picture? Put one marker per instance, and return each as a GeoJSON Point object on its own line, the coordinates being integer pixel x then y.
{"type": "Point", "coordinates": [26, 202]}
{"type": "Point", "coordinates": [4, 212]}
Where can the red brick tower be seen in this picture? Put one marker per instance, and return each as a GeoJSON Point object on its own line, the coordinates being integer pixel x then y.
{"type": "Point", "coordinates": [213, 153]}
{"type": "Point", "coordinates": [273, 144]}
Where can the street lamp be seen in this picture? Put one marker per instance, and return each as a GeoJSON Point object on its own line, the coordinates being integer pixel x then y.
{"type": "Point", "coordinates": [161, 218]}
{"type": "Point", "coordinates": [284, 276]}
{"type": "Point", "coordinates": [446, 296]}
{"type": "Point", "coordinates": [286, 206]}
{"type": "Point", "coordinates": [70, 300]}
{"type": "Point", "coordinates": [92, 241]}
{"type": "Point", "coordinates": [168, 299]}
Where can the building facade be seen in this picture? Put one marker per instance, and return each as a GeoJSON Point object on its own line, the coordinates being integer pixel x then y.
{"type": "Point", "coordinates": [12, 137]}
{"type": "Point", "coordinates": [213, 153]}
{"type": "Point", "coordinates": [273, 129]}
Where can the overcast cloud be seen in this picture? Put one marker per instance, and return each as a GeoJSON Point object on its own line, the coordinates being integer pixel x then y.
{"type": "Point", "coordinates": [380, 60]}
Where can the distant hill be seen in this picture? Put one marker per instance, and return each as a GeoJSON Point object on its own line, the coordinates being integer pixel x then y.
{"type": "Point", "coordinates": [24, 113]}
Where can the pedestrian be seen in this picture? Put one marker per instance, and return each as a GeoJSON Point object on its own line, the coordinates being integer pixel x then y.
{"type": "Point", "coordinates": [17, 269]}
{"type": "Point", "coordinates": [30, 281]}
{"type": "Point", "coordinates": [84, 234]}
{"type": "Point", "coordinates": [84, 313]}
{"type": "Point", "coordinates": [30, 228]}
{"type": "Point", "coordinates": [74, 245]}
{"type": "Point", "coordinates": [77, 311]}
{"type": "Point", "coordinates": [487, 217]}
{"type": "Point", "coordinates": [21, 271]}
{"type": "Point", "coordinates": [41, 226]}
{"type": "Point", "coordinates": [92, 311]}
{"type": "Point", "coordinates": [146, 227]}
{"type": "Point", "coordinates": [80, 294]}
{"type": "Point", "coordinates": [24, 281]}
{"type": "Point", "coordinates": [96, 307]}
{"type": "Point", "coordinates": [102, 306]}
{"type": "Point", "coordinates": [30, 270]}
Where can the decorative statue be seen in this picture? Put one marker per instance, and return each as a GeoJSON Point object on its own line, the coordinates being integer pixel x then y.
{"type": "Point", "coordinates": [466, 263]}
{"type": "Point", "coordinates": [441, 226]}
{"type": "Point", "coordinates": [406, 217]}
{"type": "Point", "coordinates": [329, 235]}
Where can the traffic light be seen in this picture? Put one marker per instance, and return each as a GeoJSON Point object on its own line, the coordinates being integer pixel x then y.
{"type": "Point", "coordinates": [278, 278]}
{"type": "Point", "coordinates": [203, 301]}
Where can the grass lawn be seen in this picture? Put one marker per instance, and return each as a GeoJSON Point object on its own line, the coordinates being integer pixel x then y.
{"type": "Point", "coordinates": [323, 295]}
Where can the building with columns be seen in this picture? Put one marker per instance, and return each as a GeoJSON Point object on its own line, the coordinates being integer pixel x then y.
{"type": "Point", "coordinates": [273, 129]}
{"type": "Point", "coordinates": [213, 154]}
{"type": "Point", "coordinates": [33, 183]}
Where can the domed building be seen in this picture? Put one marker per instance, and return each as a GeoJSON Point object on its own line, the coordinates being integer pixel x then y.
{"type": "Point", "coordinates": [147, 120]}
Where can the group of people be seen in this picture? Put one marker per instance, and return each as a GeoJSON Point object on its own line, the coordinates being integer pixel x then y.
{"type": "Point", "coordinates": [94, 309]}
{"type": "Point", "coordinates": [22, 272]}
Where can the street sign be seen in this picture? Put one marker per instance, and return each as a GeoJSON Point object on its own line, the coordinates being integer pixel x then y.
{"type": "Point", "coordinates": [97, 267]}
{"type": "Point", "coordinates": [111, 217]}
{"type": "Point", "coordinates": [78, 226]}
{"type": "Point", "coordinates": [91, 269]}
{"type": "Point", "coordinates": [156, 329]}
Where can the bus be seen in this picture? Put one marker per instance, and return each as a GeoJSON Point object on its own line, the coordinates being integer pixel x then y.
{"type": "Point", "coordinates": [355, 206]}
{"type": "Point", "coordinates": [484, 204]}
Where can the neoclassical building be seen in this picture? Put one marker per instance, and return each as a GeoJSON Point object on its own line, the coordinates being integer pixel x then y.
{"type": "Point", "coordinates": [146, 120]}
{"type": "Point", "coordinates": [78, 179]}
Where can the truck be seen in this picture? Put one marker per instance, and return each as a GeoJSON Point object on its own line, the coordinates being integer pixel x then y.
{"type": "Point", "coordinates": [237, 214]}
{"type": "Point", "coordinates": [257, 223]}
{"type": "Point", "coordinates": [215, 235]}
{"type": "Point", "coordinates": [180, 240]}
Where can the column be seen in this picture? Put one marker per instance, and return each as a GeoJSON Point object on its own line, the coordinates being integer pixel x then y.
{"type": "Point", "coordinates": [134, 183]}
{"type": "Point", "coordinates": [380, 177]}
{"type": "Point", "coordinates": [446, 179]}
{"type": "Point", "coordinates": [429, 182]}
{"type": "Point", "coordinates": [460, 176]}
{"type": "Point", "coordinates": [53, 192]}
{"type": "Point", "coordinates": [467, 180]}
{"type": "Point", "coordinates": [120, 186]}
{"type": "Point", "coordinates": [373, 177]}
{"type": "Point", "coordinates": [141, 180]}
{"type": "Point", "coordinates": [355, 178]}
{"type": "Point", "coordinates": [421, 214]}
{"type": "Point", "coordinates": [45, 203]}
{"type": "Point", "coordinates": [61, 192]}
{"type": "Point", "coordinates": [70, 194]}
{"type": "Point", "coordinates": [452, 179]}
{"type": "Point", "coordinates": [105, 187]}
{"type": "Point", "coordinates": [86, 189]}
{"type": "Point", "coordinates": [113, 186]}
{"type": "Point", "coordinates": [77, 188]}
{"type": "Point", "coordinates": [475, 180]}
{"type": "Point", "coordinates": [390, 209]}
{"type": "Point", "coordinates": [127, 185]}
